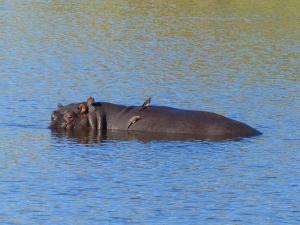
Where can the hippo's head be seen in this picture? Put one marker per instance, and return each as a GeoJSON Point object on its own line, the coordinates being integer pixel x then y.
{"type": "Point", "coordinates": [70, 117]}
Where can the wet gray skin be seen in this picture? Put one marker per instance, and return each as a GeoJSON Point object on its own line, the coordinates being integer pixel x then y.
{"type": "Point", "coordinates": [102, 116]}
{"type": "Point", "coordinates": [70, 117]}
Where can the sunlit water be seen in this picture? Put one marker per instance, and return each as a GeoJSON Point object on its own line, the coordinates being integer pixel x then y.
{"type": "Point", "coordinates": [235, 58]}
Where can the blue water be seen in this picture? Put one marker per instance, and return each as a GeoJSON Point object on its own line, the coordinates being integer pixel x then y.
{"type": "Point", "coordinates": [242, 62]}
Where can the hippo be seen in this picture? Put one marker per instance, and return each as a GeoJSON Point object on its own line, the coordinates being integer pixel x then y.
{"type": "Point", "coordinates": [153, 120]}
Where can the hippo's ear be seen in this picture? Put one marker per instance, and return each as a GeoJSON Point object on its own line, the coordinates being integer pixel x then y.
{"type": "Point", "coordinates": [90, 101]}
{"type": "Point", "coordinates": [59, 105]}
{"type": "Point", "coordinates": [83, 108]}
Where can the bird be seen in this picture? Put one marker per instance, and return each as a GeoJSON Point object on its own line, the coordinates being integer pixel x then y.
{"type": "Point", "coordinates": [145, 104]}
{"type": "Point", "coordinates": [90, 101]}
{"type": "Point", "coordinates": [132, 120]}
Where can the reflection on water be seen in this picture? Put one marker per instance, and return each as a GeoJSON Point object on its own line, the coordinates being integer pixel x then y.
{"type": "Point", "coordinates": [92, 137]}
{"type": "Point", "coordinates": [236, 58]}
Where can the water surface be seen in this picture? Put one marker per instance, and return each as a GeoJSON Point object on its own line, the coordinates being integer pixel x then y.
{"type": "Point", "coordinates": [236, 58]}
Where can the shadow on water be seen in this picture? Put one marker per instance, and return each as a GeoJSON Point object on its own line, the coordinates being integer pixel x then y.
{"type": "Point", "coordinates": [92, 137]}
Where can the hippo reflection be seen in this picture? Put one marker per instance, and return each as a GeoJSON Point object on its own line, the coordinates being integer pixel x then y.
{"type": "Point", "coordinates": [93, 136]}
{"type": "Point", "coordinates": [155, 121]}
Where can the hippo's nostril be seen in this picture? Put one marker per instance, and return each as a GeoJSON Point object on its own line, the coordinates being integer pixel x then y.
{"type": "Point", "coordinates": [53, 117]}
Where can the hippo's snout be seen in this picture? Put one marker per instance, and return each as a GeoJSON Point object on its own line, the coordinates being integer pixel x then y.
{"type": "Point", "coordinates": [68, 118]}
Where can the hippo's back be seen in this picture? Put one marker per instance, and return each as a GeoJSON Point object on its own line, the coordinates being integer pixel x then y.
{"type": "Point", "coordinates": [206, 125]}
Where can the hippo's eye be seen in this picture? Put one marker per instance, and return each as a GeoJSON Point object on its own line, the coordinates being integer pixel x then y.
{"type": "Point", "coordinates": [69, 116]}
